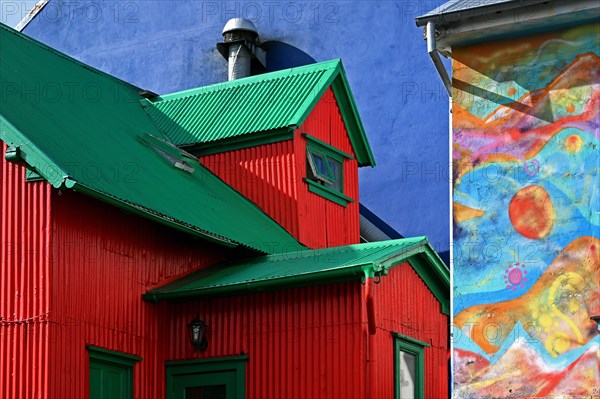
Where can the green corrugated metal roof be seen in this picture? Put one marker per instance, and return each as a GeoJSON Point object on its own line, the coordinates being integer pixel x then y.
{"type": "Point", "coordinates": [257, 104]}
{"type": "Point", "coordinates": [84, 129]}
{"type": "Point", "coordinates": [352, 262]}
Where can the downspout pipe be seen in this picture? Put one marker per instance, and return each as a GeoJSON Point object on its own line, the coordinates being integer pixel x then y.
{"type": "Point", "coordinates": [435, 57]}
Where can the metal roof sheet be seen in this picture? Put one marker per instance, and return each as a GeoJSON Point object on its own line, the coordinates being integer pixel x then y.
{"type": "Point", "coordinates": [471, 8]}
{"type": "Point", "coordinates": [351, 262]}
{"type": "Point", "coordinates": [84, 129]}
{"type": "Point", "coordinates": [257, 104]}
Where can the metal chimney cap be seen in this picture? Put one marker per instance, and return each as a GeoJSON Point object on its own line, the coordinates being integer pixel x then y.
{"type": "Point", "coordinates": [239, 24]}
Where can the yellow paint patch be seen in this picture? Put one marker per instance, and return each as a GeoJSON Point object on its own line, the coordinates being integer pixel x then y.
{"type": "Point", "coordinates": [557, 344]}
{"type": "Point", "coordinates": [462, 213]}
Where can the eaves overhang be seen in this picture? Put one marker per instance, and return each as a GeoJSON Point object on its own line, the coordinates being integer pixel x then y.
{"type": "Point", "coordinates": [487, 22]}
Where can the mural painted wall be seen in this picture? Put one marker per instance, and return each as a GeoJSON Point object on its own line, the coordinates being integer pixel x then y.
{"type": "Point", "coordinates": [526, 216]}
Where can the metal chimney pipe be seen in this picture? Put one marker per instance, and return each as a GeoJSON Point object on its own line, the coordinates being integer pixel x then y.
{"type": "Point", "coordinates": [240, 45]}
{"type": "Point", "coordinates": [239, 62]}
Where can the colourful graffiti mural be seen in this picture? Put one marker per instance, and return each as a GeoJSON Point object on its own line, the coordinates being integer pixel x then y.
{"type": "Point", "coordinates": [526, 149]}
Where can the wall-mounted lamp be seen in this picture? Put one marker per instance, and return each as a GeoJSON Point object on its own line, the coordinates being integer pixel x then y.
{"type": "Point", "coordinates": [197, 329]}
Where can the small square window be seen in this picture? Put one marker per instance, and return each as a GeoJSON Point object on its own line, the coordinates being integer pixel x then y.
{"type": "Point", "coordinates": [325, 170]}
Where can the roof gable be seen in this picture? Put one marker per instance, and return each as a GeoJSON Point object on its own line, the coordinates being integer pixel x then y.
{"type": "Point", "coordinates": [267, 104]}
{"type": "Point", "coordinates": [83, 129]}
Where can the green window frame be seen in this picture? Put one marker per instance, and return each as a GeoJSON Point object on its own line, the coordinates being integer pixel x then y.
{"type": "Point", "coordinates": [325, 170]}
{"type": "Point", "coordinates": [416, 348]}
{"type": "Point", "coordinates": [191, 374]}
{"type": "Point", "coordinates": [111, 373]}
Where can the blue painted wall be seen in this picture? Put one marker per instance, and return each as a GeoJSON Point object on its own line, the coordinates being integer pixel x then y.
{"type": "Point", "coordinates": [166, 46]}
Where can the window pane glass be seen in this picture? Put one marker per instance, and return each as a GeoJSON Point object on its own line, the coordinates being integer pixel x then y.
{"type": "Point", "coordinates": [408, 366]}
{"type": "Point", "coordinates": [320, 165]}
{"type": "Point", "coordinates": [336, 171]}
{"type": "Point", "coordinates": [206, 392]}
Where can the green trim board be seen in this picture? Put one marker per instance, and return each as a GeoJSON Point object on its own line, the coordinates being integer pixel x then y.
{"type": "Point", "coordinates": [411, 339]}
{"type": "Point", "coordinates": [328, 193]}
{"type": "Point", "coordinates": [107, 148]}
{"type": "Point", "coordinates": [310, 267]}
{"type": "Point", "coordinates": [98, 353]}
{"type": "Point", "coordinates": [111, 373]}
{"type": "Point", "coordinates": [257, 105]}
{"type": "Point", "coordinates": [229, 371]}
{"type": "Point", "coordinates": [241, 142]}
{"type": "Point", "coordinates": [326, 146]}
{"type": "Point", "coordinates": [416, 348]}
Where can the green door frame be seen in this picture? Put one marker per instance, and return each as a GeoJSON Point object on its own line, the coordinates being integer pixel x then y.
{"type": "Point", "coordinates": [103, 361]}
{"type": "Point", "coordinates": [229, 370]}
{"type": "Point", "coordinates": [415, 347]}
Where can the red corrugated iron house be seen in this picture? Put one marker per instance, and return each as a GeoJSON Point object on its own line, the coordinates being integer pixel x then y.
{"type": "Point", "coordinates": [127, 216]}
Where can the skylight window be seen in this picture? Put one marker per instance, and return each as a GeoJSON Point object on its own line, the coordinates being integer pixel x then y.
{"type": "Point", "coordinates": [170, 152]}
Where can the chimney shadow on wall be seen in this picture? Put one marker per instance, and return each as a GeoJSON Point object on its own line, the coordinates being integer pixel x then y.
{"type": "Point", "coordinates": [281, 55]}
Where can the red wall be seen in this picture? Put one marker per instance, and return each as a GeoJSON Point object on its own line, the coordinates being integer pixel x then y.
{"type": "Point", "coordinates": [24, 283]}
{"type": "Point", "coordinates": [82, 266]}
{"type": "Point", "coordinates": [404, 304]}
{"type": "Point", "coordinates": [271, 176]}
{"type": "Point", "coordinates": [103, 260]}
{"type": "Point", "coordinates": [301, 343]}
{"type": "Point", "coordinates": [306, 342]}
{"type": "Point", "coordinates": [267, 175]}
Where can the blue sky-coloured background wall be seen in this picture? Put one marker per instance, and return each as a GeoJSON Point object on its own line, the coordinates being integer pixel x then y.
{"type": "Point", "coordinates": [166, 46]}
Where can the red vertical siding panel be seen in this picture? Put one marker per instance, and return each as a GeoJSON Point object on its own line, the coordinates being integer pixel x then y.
{"type": "Point", "coordinates": [24, 268]}
{"type": "Point", "coordinates": [341, 225]}
{"type": "Point", "coordinates": [294, 339]}
{"type": "Point", "coordinates": [404, 304]}
{"type": "Point", "coordinates": [263, 175]}
{"type": "Point", "coordinates": [271, 176]}
{"type": "Point", "coordinates": [103, 261]}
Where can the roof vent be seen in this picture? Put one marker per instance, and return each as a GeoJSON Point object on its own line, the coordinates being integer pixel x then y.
{"type": "Point", "coordinates": [241, 48]}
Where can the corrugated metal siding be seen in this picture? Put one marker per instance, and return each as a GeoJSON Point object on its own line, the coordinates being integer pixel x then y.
{"type": "Point", "coordinates": [103, 261]}
{"type": "Point", "coordinates": [403, 304]}
{"type": "Point", "coordinates": [267, 175]}
{"type": "Point", "coordinates": [271, 175]}
{"type": "Point", "coordinates": [24, 284]}
{"type": "Point", "coordinates": [341, 224]}
{"type": "Point", "coordinates": [301, 343]}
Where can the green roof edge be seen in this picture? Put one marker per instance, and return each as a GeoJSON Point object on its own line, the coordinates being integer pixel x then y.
{"type": "Point", "coordinates": [356, 130]}
{"type": "Point", "coordinates": [421, 256]}
{"type": "Point", "coordinates": [31, 155]}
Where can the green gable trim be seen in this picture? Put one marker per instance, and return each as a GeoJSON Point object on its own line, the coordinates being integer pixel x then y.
{"type": "Point", "coordinates": [241, 142]}
{"type": "Point", "coordinates": [32, 176]}
{"type": "Point", "coordinates": [310, 267]}
{"type": "Point", "coordinates": [328, 193]}
{"type": "Point", "coordinates": [97, 353]}
{"type": "Point", "coordinates": [256, 105]}
{"type": "Point", "coordinates": [349, 111]}
{"type": "Point", "coordinates": [329, 147]}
